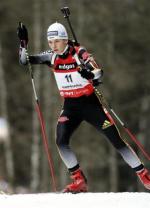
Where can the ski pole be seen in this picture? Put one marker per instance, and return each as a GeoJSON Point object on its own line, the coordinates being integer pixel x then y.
{"type": "Point", "coordinates": [42, 123]}
{"type": "Point", "coordinates": [66, 12]}
{"type": "Point", "coordinates": [131, 135]}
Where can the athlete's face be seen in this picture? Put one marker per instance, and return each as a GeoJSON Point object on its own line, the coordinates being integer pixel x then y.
{"type": "Point", "coordinates": [57, 45]}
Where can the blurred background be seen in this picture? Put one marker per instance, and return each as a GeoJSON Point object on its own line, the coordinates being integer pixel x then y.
{"type": "Point", "coordinates": [116, 32]}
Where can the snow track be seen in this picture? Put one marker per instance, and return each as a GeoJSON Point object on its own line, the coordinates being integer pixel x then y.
{"type": "Point", "coordinates": [87, 200]}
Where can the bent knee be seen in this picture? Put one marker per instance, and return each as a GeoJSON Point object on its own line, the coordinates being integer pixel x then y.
{"type": "Point", "coordinates": [113, 134]}
{"type": "Point", "coordinates": [61, 139]}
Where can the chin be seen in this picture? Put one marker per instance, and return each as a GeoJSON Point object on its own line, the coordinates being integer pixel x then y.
{"type": "Point", "coordinates": [58, 52]}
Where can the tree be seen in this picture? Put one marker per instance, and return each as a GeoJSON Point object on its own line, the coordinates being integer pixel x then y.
{"type": "Point", "coordinates": [35, 150]}
{"type": "Point", "coordinates": [4, 115]}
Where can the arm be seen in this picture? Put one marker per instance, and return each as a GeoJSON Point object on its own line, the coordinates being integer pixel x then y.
{"type": "Point", "coordinates": [92, 69]}
{"type": "Point", "coordinates": [93, 66]}
{"type": "Point", "coordinates": [42, 58]}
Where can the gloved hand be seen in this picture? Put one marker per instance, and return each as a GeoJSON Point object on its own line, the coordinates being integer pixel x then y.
{"type": "Point", "coordinates": [86, 73]}
{"type": "Point", "coordinates": [96, 82]}
{"type": "Point", "coordinates": [22, 33]}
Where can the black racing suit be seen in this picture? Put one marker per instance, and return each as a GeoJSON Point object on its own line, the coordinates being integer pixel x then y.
{"type": "Point", "coordinates": [80, 106]}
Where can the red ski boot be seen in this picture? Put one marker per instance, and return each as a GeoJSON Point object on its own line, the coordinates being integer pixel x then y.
{"type": "Point", "coordinates": [144, 177]}
{"type": "Point", "coordinates": [79, 183]}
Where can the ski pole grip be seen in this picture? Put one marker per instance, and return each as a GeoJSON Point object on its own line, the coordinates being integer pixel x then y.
{"type": "Point", "coordinates": [65, 11]}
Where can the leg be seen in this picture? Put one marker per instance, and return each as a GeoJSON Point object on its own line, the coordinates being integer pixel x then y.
{"type": "Point", "coordinates": [128, 155]}
{"type": "Point", "coordinates": [103, 121]}
{"type": "Point", "coordinates": [123, 148]}
{"type": "Point", "coordinates": [65, 127]}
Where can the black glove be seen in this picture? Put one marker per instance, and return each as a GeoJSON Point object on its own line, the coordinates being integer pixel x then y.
{"type": "Point", "coordinates": [86, 73]}
{"type": "Point", "coordinates": [96, 82]}
{"type": "Point", "coordinates": [22, 33]}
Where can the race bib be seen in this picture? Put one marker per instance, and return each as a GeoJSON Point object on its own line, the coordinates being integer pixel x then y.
{"type": "Point", "coordinates": [71, 84]}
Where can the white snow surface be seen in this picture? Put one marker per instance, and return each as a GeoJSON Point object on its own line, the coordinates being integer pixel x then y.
{"type": "Point", "coordinates": [82, 200]}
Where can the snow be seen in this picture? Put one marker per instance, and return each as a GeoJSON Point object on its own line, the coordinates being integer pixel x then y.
{"type": "Point", "coordinates": [88, 200]}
